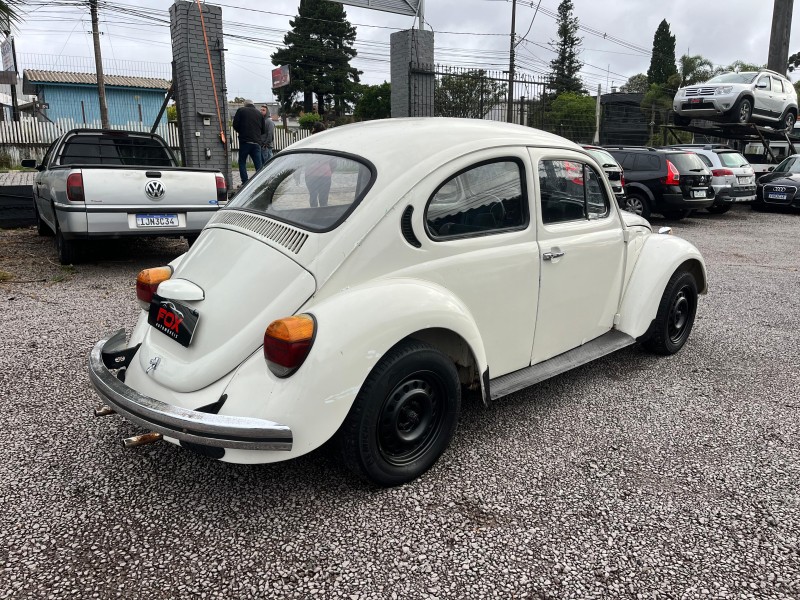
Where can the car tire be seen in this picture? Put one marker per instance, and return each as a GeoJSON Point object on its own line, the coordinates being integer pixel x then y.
{"type": "Point", "coordinates": [742, 111]}
{"type": "Point", "coordinates": [675, 316]}
{"type": "Point", "coordinates": [788, 120]}
{"type": "Point", "coordinates": [41, 227]}
{"type": "Point", "coordinates": [68, 251]}
{"type": "Point", "coordinates": [719, 209]}
{"type": "Point", "coordinates": [404, 416]}
{"type": "Point", "coordinates": [638, 205]}
{"type": "Point", "coordinates": [681, 121]}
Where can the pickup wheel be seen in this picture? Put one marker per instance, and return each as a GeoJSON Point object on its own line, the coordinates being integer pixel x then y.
{"type": "Point", "coordinates": [68, 250]}
{"type": "Point", "coordinates": [638, 205]}
{"type": "Point", "coordinates": [403, 417]}
{"type": "Point", "coordinates": [41, 227]}
{"type": "Point", "coordinates": [675, 316]}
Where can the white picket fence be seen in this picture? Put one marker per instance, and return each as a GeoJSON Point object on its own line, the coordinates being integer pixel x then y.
{"type": "Point", "coordinates": [30, 139]}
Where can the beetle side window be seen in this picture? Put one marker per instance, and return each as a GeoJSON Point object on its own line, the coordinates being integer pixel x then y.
{"type": "Point", "coordinates": [484, 199]}
{"type": "Point", "coordinates": [570, 191]}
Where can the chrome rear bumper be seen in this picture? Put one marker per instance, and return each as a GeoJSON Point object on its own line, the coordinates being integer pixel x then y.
{"type": "Point", "coordinates": [191, 426]}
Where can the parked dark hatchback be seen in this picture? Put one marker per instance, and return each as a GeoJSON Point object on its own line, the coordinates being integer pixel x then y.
{"type": "Point", "coordinates": [668, 182]}
{"type": "Point", "coordinates": [780, 187]}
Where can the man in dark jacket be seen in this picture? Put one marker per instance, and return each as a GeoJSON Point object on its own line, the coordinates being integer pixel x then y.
{"type": "Point", "coordinates": [249, 124]}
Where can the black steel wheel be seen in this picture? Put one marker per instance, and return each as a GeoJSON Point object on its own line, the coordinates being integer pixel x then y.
{"type": "Point", "coordinates": [638, 205]}
{"type": "Point", "coordinates": [69, 251]}
{"type": "Point", "coordinates": [403, 417]}
{"type": "Point", "coordinates": [675, 316]}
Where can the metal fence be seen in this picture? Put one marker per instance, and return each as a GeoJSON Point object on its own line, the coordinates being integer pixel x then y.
{"type": "Point", "coordinates": [30, 138]}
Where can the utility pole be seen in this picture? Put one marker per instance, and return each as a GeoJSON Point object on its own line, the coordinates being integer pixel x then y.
{"type": "Point", "coordinates": [596, 140]}
{"type": "Point", "coordinates": [98, 62]}
{"type": "Point", "coordinates": [510, 117]}
{"type": "Point", "coordinates": [778, 59]}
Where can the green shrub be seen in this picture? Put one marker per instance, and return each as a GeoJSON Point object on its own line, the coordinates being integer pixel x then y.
{"type": "Point", "coordinates": [308, 119]}
{"type": "Point", "coordinates": [6, 162]}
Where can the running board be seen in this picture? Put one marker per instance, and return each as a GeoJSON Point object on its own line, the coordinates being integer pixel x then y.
{"type": "Point", "coordinates": [606, 344]}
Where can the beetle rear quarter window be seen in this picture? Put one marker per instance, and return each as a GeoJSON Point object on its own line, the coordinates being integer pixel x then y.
{"type": "Point", "coordinates": [484, 199]}
{"type": "Point", "coordinates": [313, 190]}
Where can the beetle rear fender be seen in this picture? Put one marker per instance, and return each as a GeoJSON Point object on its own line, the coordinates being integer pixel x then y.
{"type": "Point", "coordinates": [661, 256]}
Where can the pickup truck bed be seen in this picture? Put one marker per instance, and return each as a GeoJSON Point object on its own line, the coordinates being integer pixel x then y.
{"type": "Point", "coordinates": [109, 184]}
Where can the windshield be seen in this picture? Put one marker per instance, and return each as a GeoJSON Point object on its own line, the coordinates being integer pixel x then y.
{"type": "Point", "coordinates": [603, 157]}
{"type": "Point", "coordinates": [790, 165]}
{"type": "Point", "coordinates": [733, 159]}
{"type": "Point", "coordinates": [745, 77]}
{"type": "Point", "coordinates": [312, 190]}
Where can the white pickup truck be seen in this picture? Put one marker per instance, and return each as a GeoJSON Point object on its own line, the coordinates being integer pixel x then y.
{"type": "Point", "coordinates": [96, 184]}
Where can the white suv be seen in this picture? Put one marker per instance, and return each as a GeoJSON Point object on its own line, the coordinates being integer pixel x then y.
{"type": "Point", "coordinates": [764, 97]}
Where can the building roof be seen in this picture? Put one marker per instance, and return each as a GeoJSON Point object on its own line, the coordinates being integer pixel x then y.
{"type": "Point", "coordinates": [32, 78]}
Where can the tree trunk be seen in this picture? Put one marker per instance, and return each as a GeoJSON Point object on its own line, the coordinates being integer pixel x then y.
{"type": "Point", "coordinates": [308, 101]}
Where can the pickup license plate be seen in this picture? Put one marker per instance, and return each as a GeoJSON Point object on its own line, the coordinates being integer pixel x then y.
{"type": "Point", "coordinates": [744, 179]}
{"type": "Point", "coordinates": [173, 319]}
{"type": "Point", "coordinates": [777, 196]}
{"type": "Point", "coordinates": [695, 100]}
{"type": "Point", "coordinates": [698, 193]}
{"type": "Point", "coordinates": [157, 220]}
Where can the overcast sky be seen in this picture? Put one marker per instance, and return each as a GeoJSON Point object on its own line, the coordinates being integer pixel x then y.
{"type": "Point", "coordinates": [469, 33]}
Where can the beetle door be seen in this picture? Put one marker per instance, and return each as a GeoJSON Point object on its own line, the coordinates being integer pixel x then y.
{"type": "Point", "coordinates": [581, 254]}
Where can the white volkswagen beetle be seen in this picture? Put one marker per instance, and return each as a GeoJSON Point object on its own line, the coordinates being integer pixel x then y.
{"type": "Point", "coordinates": [367, 275]}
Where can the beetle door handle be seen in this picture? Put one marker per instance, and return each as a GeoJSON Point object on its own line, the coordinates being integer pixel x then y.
{"type": "Point", "coordinates": [552, 255]}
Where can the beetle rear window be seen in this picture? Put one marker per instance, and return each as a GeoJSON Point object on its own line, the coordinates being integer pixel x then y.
{"type": "Point", "coordinates": [312, 190]}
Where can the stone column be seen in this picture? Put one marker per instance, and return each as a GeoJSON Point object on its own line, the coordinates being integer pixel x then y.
{"type": "Point", "coordinates": [412, 65]}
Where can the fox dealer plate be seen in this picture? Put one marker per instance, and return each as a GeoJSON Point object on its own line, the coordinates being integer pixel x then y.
{"type": "Point", "coordinates": [174, 319]}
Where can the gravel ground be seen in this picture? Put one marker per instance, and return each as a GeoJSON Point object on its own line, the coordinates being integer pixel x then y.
{"type": "Point", "coordinates": [633, 477]}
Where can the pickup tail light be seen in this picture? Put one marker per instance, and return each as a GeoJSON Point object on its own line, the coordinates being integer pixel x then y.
{"type": "Point", "coordinates": [622, 179]}
{"type": "Point", "coordinates": [673, 176]}
{"type": "Point", "coordinates": [147, 283]}
{"type": "Point", "coordinates": [75, 187]}
{"type": "Point", "coordinates": [287, 343]}
{"type": "Point", "coordinates": [222, 190]}
{"type": "Point", "coordinates": [721, 172]}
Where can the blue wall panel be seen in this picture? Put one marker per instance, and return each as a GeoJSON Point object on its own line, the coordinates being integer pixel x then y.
{"type": "Point", "coordinates": [125, 105]}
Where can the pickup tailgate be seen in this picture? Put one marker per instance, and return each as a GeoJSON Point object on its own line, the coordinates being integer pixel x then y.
{"type": "Point", "coordinates": [151, 188]}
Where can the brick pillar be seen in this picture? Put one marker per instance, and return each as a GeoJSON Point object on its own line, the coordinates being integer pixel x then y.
{"type": "Point", "coordinates": [201, 146]}
{"type": "Point", "coordinates": [412, 73]}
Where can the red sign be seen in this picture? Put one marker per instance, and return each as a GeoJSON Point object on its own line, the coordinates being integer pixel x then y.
{"type": "Point", "coordinates": [280, 76]}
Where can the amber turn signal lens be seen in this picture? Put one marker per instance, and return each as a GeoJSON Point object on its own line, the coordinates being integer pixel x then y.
{"type": "Point", "coordinates": [147, 282]}
{"type": "Point", "coordinates": [287, 343]}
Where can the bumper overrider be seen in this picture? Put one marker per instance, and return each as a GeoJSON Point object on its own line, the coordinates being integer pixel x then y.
{"type": "Point", "coordinates": [191, 426]}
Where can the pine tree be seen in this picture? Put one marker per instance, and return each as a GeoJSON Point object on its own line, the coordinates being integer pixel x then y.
{"type": "Point", "coordinates": [662, 63]}
{"type": "Point", "coordinates": [318, 50]}
{"type": "Point", "coordinates": [566, 65]}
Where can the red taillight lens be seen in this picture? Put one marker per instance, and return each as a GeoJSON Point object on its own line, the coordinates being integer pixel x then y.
{"type": "Point", "coordinates": [622, 179]}
{"type": "Point", "coordinates": [673, 176]}
{"type": "Point", "coordinates": [147, 282]}
{"type": "Point", "coordinates": [721, 172]}
{"type": "Point", "coordinates": [75, 187]}
{"type": "Point", "coordinates": [222, 189]}
{"type": "Point", "coordinates": [287, 343]}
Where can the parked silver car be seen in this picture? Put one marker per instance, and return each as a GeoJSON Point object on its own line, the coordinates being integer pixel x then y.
{"type": "Point", "coordinates": [732, 177]}
{"type": "Point", "coordinates": [764, 96]}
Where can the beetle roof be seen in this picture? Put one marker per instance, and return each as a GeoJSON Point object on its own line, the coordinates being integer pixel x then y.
{"type": "Point", "coordinates": [407, 142]}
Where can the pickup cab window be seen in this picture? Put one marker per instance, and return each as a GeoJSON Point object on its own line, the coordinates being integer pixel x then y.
{"type": "Point", "coordinates": [113, 150]}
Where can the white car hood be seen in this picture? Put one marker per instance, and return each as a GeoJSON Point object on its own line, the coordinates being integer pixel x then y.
{"type": "Point", "coordinates": [247, 285]}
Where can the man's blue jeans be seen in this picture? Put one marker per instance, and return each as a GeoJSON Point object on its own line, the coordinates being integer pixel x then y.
{"type": "Point", "coordinates": [266, 154]}
{"type": "Point", "coordinates": [253, 151]}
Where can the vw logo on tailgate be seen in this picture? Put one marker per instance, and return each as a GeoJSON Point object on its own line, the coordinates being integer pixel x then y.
{"type": "Point", "coordinates": [155, 189]}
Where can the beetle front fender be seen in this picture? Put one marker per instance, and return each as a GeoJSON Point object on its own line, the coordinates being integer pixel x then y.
{"type": "Point", "coordinates": [659, 258]}
{"type": "Point", "coordinates": [354, 329]}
